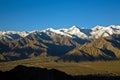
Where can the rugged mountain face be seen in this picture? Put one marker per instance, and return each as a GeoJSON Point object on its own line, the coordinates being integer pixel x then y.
{"type": "Point", "coordinates": [107, 48]}
{"type": "Point", "coordinates": [37, 44]}
{"type": "Point", "coordinates": [69, 44]}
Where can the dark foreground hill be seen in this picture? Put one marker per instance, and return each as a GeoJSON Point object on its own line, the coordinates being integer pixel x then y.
{"type": "Point", "coordinates": [32, 73]}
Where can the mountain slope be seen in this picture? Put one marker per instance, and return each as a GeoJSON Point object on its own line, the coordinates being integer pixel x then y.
{"type": "Point", "coordinates": [37, 44]}
{"type": "Point", "coordinates": [98, 43]}
{"type": "Point", "coordinates": [106, 48]}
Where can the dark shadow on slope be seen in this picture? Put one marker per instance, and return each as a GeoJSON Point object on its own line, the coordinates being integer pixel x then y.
{"type": "Point", "coordinates": [86, 31]}
{"type": "Point", "coordinates": [22, 53]}
{"type": "Point", "coordinates": [115, 41]}
{"type": "Point", "coordinates": [3, 47]}
{"type": "Point", "coordinates": [45, 36]}
{"type": "Point", "coordinates": [58, 50]}
{"type": "Point", "coordinates": [27, 50]}
{"type": "Point", "coordinates": [83, 58]}
{"type": "Point", "coordinates": [75, 58]}
{"type": "Point", "coordinates": [81, 41]}
{"type": "Point", "coordinates": [15, 36]}
{"type": "Point", "coordinates": [108, 52]}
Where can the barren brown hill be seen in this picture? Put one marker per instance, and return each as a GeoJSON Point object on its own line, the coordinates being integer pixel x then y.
{"type": "Point", "coordinates": [67, 48]}
{"type": "Point", "coordinates": [107, 48]}
{"type": "Point", "coordinates": [37, 44]}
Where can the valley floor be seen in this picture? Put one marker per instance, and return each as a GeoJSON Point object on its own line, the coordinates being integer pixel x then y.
{"type": "Point", "coordinates": [72, 68]}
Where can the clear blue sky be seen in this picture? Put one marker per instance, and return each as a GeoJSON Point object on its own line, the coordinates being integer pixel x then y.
{"type": "Point", "coordinates": [28, 15]}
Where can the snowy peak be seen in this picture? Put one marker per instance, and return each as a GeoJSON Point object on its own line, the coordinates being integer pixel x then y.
{"type": "Point", "coordinates": [73, 32]}
{"type": "Point", "coordinates": [94, 33]}
{"type": "Point", "coordinates": [10, 35]}
{"type": "Point", "coordinates": [22, 34]}
{"type": "Point", "coordinates": [106, 27]}
{"type": "Point", "coordinates": [50, 29]}
{"type": "Point", "coordinates": [101, 31]}
{"type": "Point", "coordinates": [97, 28]}
{"type": "Point", "coordinates": [53, 31]}
{"type": "Point", "coordinates": [74, 27]}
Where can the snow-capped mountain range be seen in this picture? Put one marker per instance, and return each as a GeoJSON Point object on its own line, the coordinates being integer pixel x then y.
{"type": "Point", "coordinates": [68, 44]}
{"type": "Point", "coordinates": [74, 31]}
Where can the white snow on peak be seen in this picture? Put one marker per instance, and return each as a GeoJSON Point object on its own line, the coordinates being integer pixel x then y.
{"type": "Point", "coordinates": [97, 28]}
{"type": "Point", "coordinates": [12, 34]}
{"type": "Point", "coordinates": [74, 27]}
{"type": "Point", "coordinates": [52, 30]}
{"type": "Point", "coordinates": [59, 31]}
{"type": "Point", "coordinates": [74, 31]}
{"type": "Point", "coordinates": [63, 30]}
{"type": "Point", "coordinates": [22, 34]}
{"type": "Point", "coordinates": [101, 31]}
{"type": "Point", "coordinates": [71, 32]}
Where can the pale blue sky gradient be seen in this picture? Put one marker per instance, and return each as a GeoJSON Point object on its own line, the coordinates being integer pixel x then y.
{"type": "Point", "coordinates": [28, 15]}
